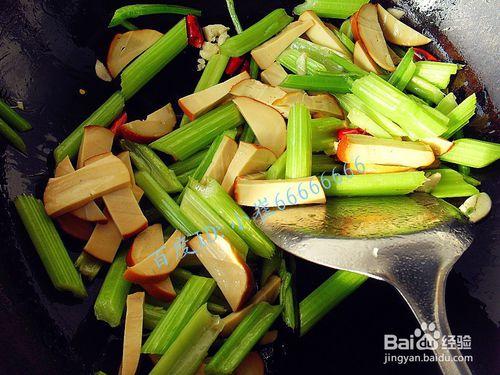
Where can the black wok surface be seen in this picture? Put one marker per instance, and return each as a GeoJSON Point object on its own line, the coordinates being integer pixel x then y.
{"type": "Point", "coordinates": [47, 53]}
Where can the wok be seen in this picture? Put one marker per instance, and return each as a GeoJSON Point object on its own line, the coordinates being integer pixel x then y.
{"type": "Point", "coordinates": [47, 54]}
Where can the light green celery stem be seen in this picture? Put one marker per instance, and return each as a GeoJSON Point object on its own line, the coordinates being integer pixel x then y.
{"type": "Point", "coordinates": [299, 142]}
{"type": "Point", "coordinates": [394, 104]}
{"type": "Point", "coordinates": [289, 313]}
{"type": "Point", "coordinates": [145, 159]}
{"type": "Point", "coordinates": [256, 34]}
{"type": "Point", "coordinates": [234, 16]}
{"type": "Point", "coordinates": [437, 73]}
{"type": "Point", "coordinates": [188, 164]}
{"type": "Point", "coordinates": [207, 220]}
{"type": "Point", "coordinates": [247, 135]}
{"type": "Point", "coordinates": [278, 169]}
{"type": "Point", "coordinates": [290, 57]}
{"type": "Point", "coordinates": [360, 120]}
{"type": "Point", "coordinates": [216, 197]}
{"type": "Point", "coordinates": [372, 184]}
{"type": "Point", "coordinates": [181, 276]}
{"type": "Point", "coordinates": [202, 167]}
{"type": "Point", "coordinates": [347, 29]}
{"type": "Point", "coordinates": [164, 203]}
{"type": "Point", "coordinates": [49, 246]}
{"type": "Point", "coordinates": [471, 180]}
{"type": "Point", "coordinates": [10, 134]}
{"type": "Point", "coordinates": [210, 77]}
{"type": "Point", "coordinates": [194, 294]}
{"type": "Point", "coordinates": [88, 265]}
{"type": "Point", "coordinates": [13, 118]}
{"type": "Point", "coordinates": [326, 56]}
{"type": "Point", "coordinates": [243, 339]}
{"type": "Point", "coordinates": [350, 101]}
{"type": "Point", "coordinates": [328, 295]}
{"type": "Point", "coordinates": [270, 266]}
{"type": "Point", "coordinates": [188, 140]}
{"type": "Point", "coordinates": [424, 90]}
{"type": "Point", "coordinates": [346, 41]}
{"type": "Point", "coordinates": [184, 178]}
{"type": "Point", "coordinates": [404, 71]}
{"type": "Point", "coordinates": [452, 185]}
{"type": "Point", "coordinates": [460, 116]}
{"type": "Point", "coordinates": [435, 114]}
{"type": "Point", "coordinates": [254, 69]}
{"type": "Point", "coordinates": [103, 116]}
{"type": "Point", "coordinates": [322, 163]}
{"type": "Point", "coordinates": [417, 99]}
{"type": "Point", "coordinates": [133, 11]}
{"type": "Point", "coordinates": [447, 104]}
{"type": "Point", "coordinates": [472, 153]}
{"type": "Point", "coordinates": [154, 59]}
{"type": "Point", "coordinates": [129, 25]}
{"type": "Point", "coordinates": [324, 133]}
{"type": "Point", "coordinates": [187, 352]}
{"type": "Point", "coordinates": [464, 170]}
{"type": "Point", "coordinates": [336, 83]}
{"type": "Point", "coordinates": [152, 315]}
{"type": "Point", "coordinates": [331, 8]}
{"type": "Point", "coordinates": [112, 297]}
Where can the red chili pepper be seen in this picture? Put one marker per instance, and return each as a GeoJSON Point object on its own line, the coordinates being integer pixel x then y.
{"type": "Point", "coordinates": [234, 64]}
{"type": "Point", "coordinates": [118, 123]}
{"type": "Point", "coordinates": [343, 132]}
{"type": "Point", "coordinates": [245, 67]}
{"type": "Point", "coordinates": [195, 36]}
{"type": "Point", "coordinates": [422, 54]}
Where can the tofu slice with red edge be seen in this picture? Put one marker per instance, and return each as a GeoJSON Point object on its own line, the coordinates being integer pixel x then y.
{"type": "Point", "coordinates": [397, 32]}
{"type": "Point", "coordinates": [157, 124]}
{"type": "Point", "coordinates": [251, 88]}
{"type": "Point", "coordinates": [363, 59]}
{"type": "Point", "coordinates": [104, 241]}
{"type": "Point", "coordinates": [132, 336]}
{"type": "Point", "coordinates": [222, 159]}
{"type": "Point", "coordinates": [75, 227]}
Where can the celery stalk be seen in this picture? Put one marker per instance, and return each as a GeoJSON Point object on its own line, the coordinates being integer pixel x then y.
{"type": "Point", "coordinates": [346, 41]}
{"type": "Point", "coordinates": [154, 59]}
{"type": "Point", "coordinates": [49, 246]}
{"type": "Point", "coordinates": [243, 339]}
{"type": "Point", "coordinates": [324, 133]}
{"type": "Point", "coordinates": [424, 90]}
{"type": "Point", "coordinates": [299, 142]}
{"type": "Point", "coordinates": [88, 265]}
{"type": "Point", "coordinates": [112, 297]}
{"type": "Point", "coordinates": [437, 73]}
{"type": "Point", "coordinates": [472, 153]}
{"type": "Point", "coordinates": [186, 141]}
{"type": "Point", "coordinates": [331, 8]}
{"type": "Point", "coordinates": [337, 83]}
{"type": "Point", "coordinates": [372, 184]}
{"type": "Point", "coordinates": [185, 354]}
{"type": "Point", "coordinates": [361, 120]}
{"type": "Point", "coordinates": [247, 135]}
{"type": "Point", "coordinates": [128, 25]}
{"type": "Point", "coordinates": [270, 266]}
{"type": "Point", "coordinates": [347, 29]}
{"type": "Point", "coordinates": [404, 71]}
{"type": "Point", "coordinates": [133, 11]}
{"type": "Point", "coordinates": [289, 59]}
{"type": "Point", "coordinates": [188, 164]}
{"type": "Point", "coordinates": [13, 118]}
{"type": "Point", "coordinates": [322, 163]}
{"type": "Point", "coordinates": [152, 315]}
{"type": "Point", "coordinates": [234, 16]}
{"type": "Point", "coordinates": [10, 134]}
{"type": "Point", "coordinates": [452, 185]}
{"type": "Point", "coordinates": [290, 312]}
{"type": "Point", "coordinates": [193, 295]}
{"type": "Point", "coordinates": [447, 104]}
{"type": "Point", "coordinates": [256, 34]}
{"type": "Point", "coordinates": [328, 295]}
{"type": "Point", "coordinates": [277, 170]}
{"type": "Point", "coordinates": [184, 178]}
{"type": "Point", "coordinates": [460, 116]}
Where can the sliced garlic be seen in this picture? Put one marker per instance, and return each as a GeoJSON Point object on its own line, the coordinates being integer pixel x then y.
{"type": "Point", "coordinates": [102, 72]}
{"type": "Point", "coordinates": [476, 207]}
{"type": "Point", "coordinates": [222, 38]}
{"type": "Point", "coordinates": [208, 50]}
{"type": "Point", "coordinates": [430, 183]}
{"type": "Point", "coordinates": [212, 32]}
{"type": "Point", "coordinates": [201, 64]}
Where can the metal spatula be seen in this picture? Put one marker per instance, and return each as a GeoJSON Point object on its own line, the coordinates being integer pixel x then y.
{"type": "Point", "coordinates": [412, 242]}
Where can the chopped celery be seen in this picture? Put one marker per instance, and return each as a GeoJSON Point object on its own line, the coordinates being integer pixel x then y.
{"type": "Point", "coordinates": [460, 116]}
{"type": "Point", "coordinates": [361, 120]}
{"type": "Point", "coordinates": [133, 11]}
{"type": "Point", "coordinates": [437, 73]}
{"type": "Point", "coordinates": [452, 185]}
{"type": "Point", "coordinates": [447, 104]}
{"type": "Point", "coordinates": [346, 41]}
{"type": "Point", "coordinates": [185, 355]}
{"type": "Point", "coordinates": [188, 164]}
{"type": "Point", "coordinates": [270, 266]}
{"type": "Point", "coordinates": [247, 135]}
{"type": "Point", "coordinates": [88, 265]}
{"type": "Point", "coordinates": [382, 184]}
{"type": "Point", "coordinates": [289, 59]}
{"type": "Point", "coordinates": [10, 134]}
{"type": "Point", "coordinates": [424, 90]}
{"type": "Point", "coordinates": [277, 170]}
{"type": "Point", "coordinates": [49, 246]}
{"type": "Point", "coordinates": [113, 294]}
{"type": "Point", "coordinates": [331, 8]}
{"type": "Point", "coordinates": [13, 118]}
{"type": "Point", "coordinates": [299, 142]}
{"type": "Point", "coordinates": [322, 163]}
{"type": "Point", "coordinates": [472, 153]}
{"type": "Point", "coordinates": [154, 59]}
{"type": "Point", "coordinates": [152, 315]}
{"type": "Point", "coordinates": [328, 295]}
{"type": "Point", "coordinates": [129, 25]}
{"type": "Point", "coordinates": [471, 180]}
{"type": "Point", "coordinates": [184, 178]}
{"type": "Point", "coordinates": [186, 141]}
{"type": "Point", "coordinates": [234, 16]}
{"type": "Point", "coordinates": [337, 83]}
{"type": "Point", "coordinates": [346, 29]}
{"type": "Point", "coordinates": [256, 34]}
{"type": "Point", "coordinates": [404, 71]}
{"type": "Point", "coordinates": [290, 312]}
{"type": "Point", "coordinates": [324, 132]}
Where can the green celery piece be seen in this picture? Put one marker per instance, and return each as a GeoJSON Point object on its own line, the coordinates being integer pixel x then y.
{"type": "Point", "coordinates": [152, 315]}
{"type": "Point", "coordinates": [188, 164]}
{"type": "Point", "coordinates": [452, 185]}
{"type": "Point", "coordinates": [210, 77]}
{"type": "Point", "coordinates": [13, 118]}
{"type": "Point", "coordinates": [460, 116]}
{"type": "Point", "coordinates": [324, 133]}
{"type": "Point", "coordinates": [164, 203]}
{"type": "Point", "coordinates": [433, 112]}
{"type": "Point", "coordinates": [289, 58]}
{"type": "Point", "coordinates": [437, 73]}
{"type": "Point", "coordinates": [234, 16]}
{"type": "Point", "coordinates": [299, 142]}
{"type": "Point", "coordinates": [103, 116]}
{"type": "Point", "coordinates": [129, 25]}
{"type": "Point", "coordinates": [471, 180]}
{"type": "Point", "coordinates": [254, 69]}
{"type": "Point", "coordinates": [346, 41]}
{"type": "Point", "coordinates": [350, 101]}
{"type": "Point", "coordinates": [382, 184]}
{"type": "Point", "coordinates": [112, 297]}
{"type": "Point", "coordinates": [277, 170]}
{"type": "Point", "coordinates": [270, 266]}
{"type": "Point", "coordinates": [216, 197]}
{"type": "Point", "coordinates": [328, 295]}
{"type": "Point", "coordinates": [188, 140]}
{"type": "Point", "coordinates": [336, 83]}
{"type": "Point", "coordinates": [184, 178]}
{"type": "Point", "coordinates": [331, 8]}
{"type": "Point", "coordinates": [145, 159]}
{"type": "Point", "coordinates": [243, 339]}
{"type": "Point", "coordinates": [49, 246]}
{"type": "Point", "coordinates": [206, 219]}
{"type": "Point", "coordinates": [447, 104]}
{"type": "Point", "coordinates": [256, 34]}
{"type": "Point", "coordinates": [154, 59]}
{"type": "Point", "coordinates": [424, 90]}
{"type": "Point", "coordinates": [322, 163]}
{"type": "Point", "coordinates": [247, 135]}
{"type": "Point", "coordinates": [10, 134]}
{"type": "Point", "coordinates": [404, 71]}
{"type": "Point", "coordinates": [133, 11]}
{"type": "Point", "coordinates": [472, 153]}
{"type": "Point", "coordinates": [190, 347]}
{"type": "Point", "coordinates": [194, 294]}
{"type": "Point", "coordinates": [346, 29]}
{"type": "Point", "coordinates": [88, 265]}
{"type": "Point", "coordinates": [290, 312]}
{"type": "Point", "coordinates": [360, 120]}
